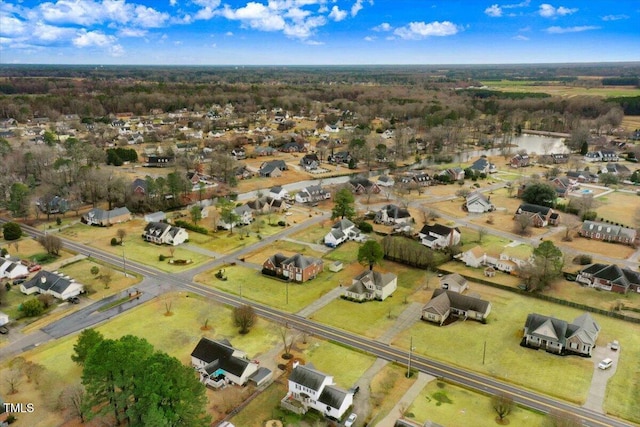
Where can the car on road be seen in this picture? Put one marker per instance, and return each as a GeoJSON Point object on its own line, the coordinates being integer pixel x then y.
{"type": "Point", "coordinates": [605, 363]}
{"type": "Point", "coordinates": [615, 345]}
{"type": "Point", "coordinates": [350, 420]}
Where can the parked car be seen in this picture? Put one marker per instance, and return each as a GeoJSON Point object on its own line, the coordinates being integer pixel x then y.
{"type": "Point", "coordinates": [605, 364]}
{"type": "Point", "coordinates": [350, 420]}
{"type": "Point", "coordinates": [19, 281]}
{"type": "Point", "coordinates": [615, 345]}
{"type": "Point", "coordinates": [74, 300]}
{"type": "Point", "coordinates": [4, 330]}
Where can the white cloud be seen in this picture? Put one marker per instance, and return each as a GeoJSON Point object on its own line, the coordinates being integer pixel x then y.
{"type": "Point", "coordinates": [86, 38]}
{"type": "Point", "coordinates": [577, 29]}
{"type": "Point", "coordinates": [314, 43]}
{"type": "Point", "coordinates": [207, 3]}
{"type": "Point", "coordinates": [357, 6]}
{"type": "Point", "coordinates": [132, 32]}
{"type": "Point", "coordinates": [521, 37]}
{"type": "Point", "coordinates": [148, 17]}
{"type": "Point", "coordinates": [493, 11]}
{"type": "Point", "coordinates": [50, 33]}
{"type": "Point", "coordinates": [72, 12]}
{"type": "Point", "coordinates": [337, 14]}
{"type": "Point", "coordinates": [369, 39]}
{"type": "Point", "coordinates": [90, 12]}
{"type": "Point", "coordinates": [385, 26]}
{"type": "Point", "coordinates": [228, 34]}
{"type": "Point", "coordinates": [173, 2]}
{"type": "Point", "coordinates": [421, 30]}
{"type": "Point", "coordinates": [205, 13]}
{"type": "Point", "coordinates": [116, 50]}
{"type": "Point", "coordinates": [548, 11]}
{"type": "Point", "coordinates": [524, 3]}
{"type": "Point", "coordinates": [11, 26]}
{"type": "Point", "coordinates": [615, 17]}
{"type": "Point", "coordinates": [305, 28]}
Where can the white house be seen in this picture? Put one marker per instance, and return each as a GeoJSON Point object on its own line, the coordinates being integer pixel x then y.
{"type": "Point", "coordinates": [392, 214]}
{"type": "Point", "coordinates": [278, 193]}
{"type": "Point", "coordinates": [454, 282]}
{"type": "Point", "coordinates": [56, 284]}
{"type": "Point", "coordinates": [341, 231]}
{"type": "Point", "coordinates": [370, 285]}
{"type": "Point", "coordinates": [219, 364]}
{"type": "Point", "coordinates": [244, 217]}
{"type": "Point", "coordinates": [312, 194]}
{"type": "Point", "coordinates": [164, 234]}
{"type": "Point", "coordinates": [439, 236]}
{"type": "Point", "coordinates": [316, 390]}
{"type": "Point", "coordinates": [477, 203]}
{"type": "Point", "coordinates": [508, 259]}
{"type": "Point", "coordinates": [12, 269]}
{"type": "Point", "coordinates": [4, 318]}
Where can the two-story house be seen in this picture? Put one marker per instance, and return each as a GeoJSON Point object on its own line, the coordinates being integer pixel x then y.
{"type": "Point", "coordinates": [363, 186]}
{"type": "Point", "coordinates": [297, 268]}
{"type": "Point", "coordinates": [541, 216]}
{"type": "Point", "coordinates": [393, 215]}
{"type": "Point", "coordinates": [278, 193]}
{"type": "Point", "coordinates": [310, 162]}
{"type": "Point", "coordinates": [162, 233]}
{"type": "Point", "coordinates": [312, 194]}
{"type": "Point", "coordinates": [477, 202]}
{"type": "Point", "coordinates": [341, 231]}
{"type": "Point", "coordinates": [520, 160]}
{"type": "Point", "coordinates": [243, 215]}
{"type": "Point", "coordinates": [370, 285]}
{"type": "Point", "coordinates": [439, 236]}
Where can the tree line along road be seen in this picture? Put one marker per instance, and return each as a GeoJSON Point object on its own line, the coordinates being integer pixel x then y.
{"type": "Point", "coordinates": [481, 383]}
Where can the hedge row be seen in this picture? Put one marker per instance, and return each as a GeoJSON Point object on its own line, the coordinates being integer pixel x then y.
{"type": "Point", "coordinates": [192, 227]}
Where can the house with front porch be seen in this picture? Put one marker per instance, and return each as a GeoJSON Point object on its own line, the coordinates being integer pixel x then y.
{"type": "Point", "coordinates": [608, 232]}
{"type": "Point", "coordinates": [312, 194]}
{"type": "Point", "coordinates": [445, 303]}
{"type": "Point", "coordinates": [370, 285]}
{"type": "Point", "coordinates": [341, 231]}
{"type": "Point", "coordinates": [162, 233]}
{"type": "Point", "coordinates": [393, 215]}
{"type": "Point", "coordinates": [610, 277]}
{"type": "Point", "coordinates": [477, 202]}
{"type": "Point", "coordinates": [243, 214]}
{"type": "Point", "coordinates": [53, 283]}
{"type": "Point", "coordinates": [309, 388]}
{"type": "Point", "coordinates": [560, 337]}
{"type": "Point", "coordinates": [105, 218]}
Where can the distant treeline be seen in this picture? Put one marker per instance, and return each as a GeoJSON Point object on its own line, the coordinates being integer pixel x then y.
{"type": "Point", "coordinates": [621, 81]}
{"type": "Point", "coordinates": [487, 93]}
{"type": "Point", "coordinates": [630, 105]}
{"type": "Point", "coordinates": [117, 156]}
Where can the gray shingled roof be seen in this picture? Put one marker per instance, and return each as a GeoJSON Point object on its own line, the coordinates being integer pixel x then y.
{"type": "Point", "coordinates": [307, 377]}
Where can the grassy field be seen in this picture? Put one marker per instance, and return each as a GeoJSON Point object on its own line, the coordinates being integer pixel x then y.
{"type": "Point", "coordinates": [134, 247]}
{"type": "Point", "coordinates": [631, 123]}
{"type": "Point", "coordinates": [252, 285]}
{"type": "Point", "coordinates": [346, 366]}
{"type": "Point", "coordinates": [506, 360]}
{"type": "Point", "coordinates": [618, 207]}
{"type": "Point", "coordinates": [28, 248]}
{"type": "Point", "coordinates": [561, 89]}
{"type": "Point", "coordinates": [346, 252]}
{"type": "Point", "coordinates": [285, 247]}
{"type": "Point", "coordinates": [616, 250]}
{"type": "Point", "coordinates": [374, 317]}
{"type": "Point", "coordinates": [81, 272]}
{"type": "Point", "coordinates": [314, 234]}
{"type": "Point", "coordinates": [387, 388]}
{"type": "Point", "coordinates": [453, 406]}
{"type": "Point", "coordinates": [263, 408]}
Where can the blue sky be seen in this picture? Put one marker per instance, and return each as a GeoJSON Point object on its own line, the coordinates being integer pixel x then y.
{"type": "Point", "coordinates": [317, 32]}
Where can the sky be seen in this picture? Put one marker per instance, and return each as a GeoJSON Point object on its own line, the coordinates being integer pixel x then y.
{"type": "Point", "coordinates": [317, 32]}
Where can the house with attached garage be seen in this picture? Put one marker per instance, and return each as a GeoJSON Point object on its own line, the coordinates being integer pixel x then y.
{"type": "Point", "coordinates": [364, 186]}
{"type": "Point", "coordinates": [162, 233]}
{"type": "Point", "coordinates": [601, 156]}
{"type": "Point", "coordinates": [560, 337]}
{"type": "Point", "coordinates": [477, 202]}
{"type": "Point", "coordinates": [310, 162]}
{"type": "Point", "coordinates": [219, 364]}
{"type": "Point", "coordinates": [272, 168]}
{"type": "Point", "coordinates": [278, 193]}
{"type": "Point", "coordinates": [608, 232]}
{"type": "Point", "coordinates": [312, 194]}
{"type": "Point", "coordinates": [370, 285]}
{"type": "Point", "coordinates": [439, 236]}
{"type": "Point", "coordinates": [520, 160]}
{"type": "Point", "coordinates": [103, 218]}
{"type": "Point", "coordinates": [610, 278]}
{"type": "Point", "coordinates": [309, 388]}
{"type": "Point", "coordinates": [445, 303]}
{"type": "Point", "coordinates": [541, 216]}
{"type": "Point", "coordinates": [12, 268]}
{"type": "Point", "coordinates": [45, 282]}
{"type": "Point", "coordinates": [454, 174]}
{"type": "Point", "coordinates": [341, 231]}
{"type": "Point", "coordinates": [563, 185]}
{"type": "Point", "coordinates": [483, 165]}
{"type": "Point", "coordinates": [392, 215]}
{"type": "Point", "coordinates": [297, 268]}
{"type": "Point", "coordinates": [244, 216]}
{"type": "Point", "coordinates": [454, 282]}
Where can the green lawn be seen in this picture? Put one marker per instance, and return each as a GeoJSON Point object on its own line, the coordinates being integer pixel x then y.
{"type": "Point", "coordinates": [346, 252]}
{"type": "Point", "coordinates": [314, 234]}
{"type": "Point", "coordinates": [373, 317]}
{"type": "Point", "coordinates": [252, 285]}
{"type": "Point", "coordinates": [506, 360]}
{"type": "Point", "coordinates": [623, 389]}
{"type": "Point", "coordinates": [469, 239]}
{"type": "Point", "coordinates": [450, 405]}
{"type": "Point", "coordinates": [263, 408]}
{"type": "Point", "coordinates": [618, 207]}
{"type": "Point", "coordinates": [81, 272]}
{"type": "Point", "coordinates": [346, 365]}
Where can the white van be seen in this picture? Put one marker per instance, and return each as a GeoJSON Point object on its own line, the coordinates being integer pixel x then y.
{"type": "Point", "coordinates": [605, 363]}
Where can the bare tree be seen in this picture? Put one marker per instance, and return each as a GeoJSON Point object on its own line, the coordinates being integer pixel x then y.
{"type": "Point", "coordinates": [106, 277]}
{"type": "Point", "coordinates": [481, 233]}
{"type": "Point", "coordinates": [287, 340]}
{"type": "Point", "coordinates": [73, 398]}
{"type": "Point", "coordinates": [522, 224]}
{"type": "Point", "coordinates": [52, 244]}
{"type": "Point", "coordinates": [244, 317]}
{"type": "Point", "coordinates": [121, 233]}
{"type": "Point", "coordinates": [570, 224]}
{"type": "Point", "coordinates": [13, 379]}
{"type": "Point", "coordinates": [502, 404]}
{"type": "Point", "coordinates": [557, 418]}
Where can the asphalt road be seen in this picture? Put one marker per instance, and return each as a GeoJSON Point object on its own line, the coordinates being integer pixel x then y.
{"type": "Point", "coordinates": [157, 282]}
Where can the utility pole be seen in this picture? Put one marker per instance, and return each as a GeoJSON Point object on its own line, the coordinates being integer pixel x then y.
{"type": "Point", "coordinates": [484, 351]}
{"type": "Point", "coordinates": [410, 352]}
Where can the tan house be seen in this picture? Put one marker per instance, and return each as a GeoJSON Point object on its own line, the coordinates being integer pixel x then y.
{"type": "Point", "coordinates": [454, 283]}
{"type": "Point", "coordinates": [446, 303]}
{"type": "Point", "coordinates": [103, 218]}
{"type": "Point", "coordinates": [370, 285]}
{"type": "Point", "coordinates": [558, 336]}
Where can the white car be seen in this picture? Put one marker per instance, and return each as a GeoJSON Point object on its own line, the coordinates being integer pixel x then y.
{"type": "Point", "coordinates": [605, 363]}
{"type": "Point", "coordinates": [615, 345]}
{"type": "Point", "coordinates": [350, 420]}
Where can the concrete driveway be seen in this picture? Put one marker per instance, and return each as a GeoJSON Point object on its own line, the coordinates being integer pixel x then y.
{"type": "Point", "coordinates": [600, 378]}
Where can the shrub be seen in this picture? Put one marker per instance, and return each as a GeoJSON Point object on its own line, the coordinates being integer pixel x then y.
{"type": "Point", "coordinates": [365, 227]}
{"type": "Point", "coordinates": [58, 221]}
{"type": "Point", "coordinates": [46, 300]}
{"type": "Point", "coordinates": [161, 257]}
{"type": "Point", "coordinates": [589, 215]}
{"type": "Point", "coordinates": [191, 227]}
{"type": "Point", "coordinates": [114, 241]}
{"type": "Point", "coordinates": [282, 223]}
{"type": "Point", "coordinates": [583, 259]}
{"type": "Point", "coordinates": [32, 307]}
{"type": "Point", "coordinates": [95, 270]}
{"type": "Point", "coordinates": [3, 252]}
{"type": "Point", "coordinates": [12, 231]}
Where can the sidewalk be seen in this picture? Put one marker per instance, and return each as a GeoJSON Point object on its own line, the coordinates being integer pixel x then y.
{"type": "Point", "coordinates": [321, 302]}
{"type": "Point", "coordinates": [407, 318]}
{"type": "Point", "coordinates": [406, 400]}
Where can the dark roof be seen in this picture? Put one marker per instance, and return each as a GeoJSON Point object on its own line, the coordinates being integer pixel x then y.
{"type": "Point", "coordinates": [394, 211]}
{"type": "Point", "coordinates": [48, 281]}
{"type": "Point", "coordinates": [526, 207]}
{"type": "Point", "coordinates": [219, 354]}
{"type": "Point", "coordinates": [332, 396]}
{"type": "Point", "coordinates": [439, 229]}
{"type": "Point", "coordinates": [463, 302]}
{"type": "Point", "coordinates": [481, 164]}
{"type": "Point", "coordinates": [156, 229]}
{"type": "Point", "coordinates": [361, 181]}
{"type": "Point", "coordinates": [557, 328]}
{"type": "Point", "coordinates": [308, 377]}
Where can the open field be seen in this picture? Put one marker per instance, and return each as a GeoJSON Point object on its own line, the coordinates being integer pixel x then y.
{"type": "Point", "coordinates": [387, 388]}
{"type": "Point", "coordinates": [560, 89]}
{"type": "Point", "coordinates": [346, 366]}
{"type": "Point", "coordinates": [28, 248]}
{"type": "Point", "coordinates": [374, 317]}
{"type": "Point", "coordinates": [615, 250]}
{"type": "Point", "coordinates": [449, 405]}
{"type": "Point", "coordinates": [346, 252]}
{"type": "Point", "coordinates": [618, 207]}
{"type": "Point", "coordinates": [508, 361]}
{"type": "Point", "coordinates": [81, 272]}
{"type": "Point", "coordinates": [252, 285]}
{"type": "Point", "coordinates": [134, 247]}
{"type": "Point", "coordinates": [631, 123]}
{"type": "Point", "coordinates": [314, 234]}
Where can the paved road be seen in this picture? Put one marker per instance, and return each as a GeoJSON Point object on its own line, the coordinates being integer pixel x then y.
{"type": "Point", "coordinates": [457, 375]}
